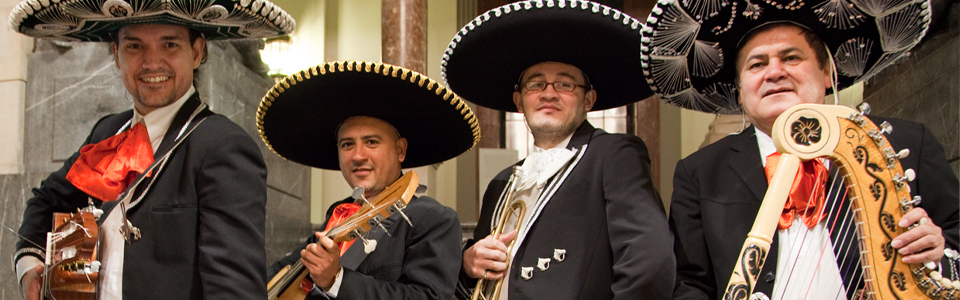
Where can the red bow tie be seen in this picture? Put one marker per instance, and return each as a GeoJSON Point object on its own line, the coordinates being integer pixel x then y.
{"type": "Point", "coordinates": [105, 169]}
{"type": "Point", "coordinates": [806, 194]}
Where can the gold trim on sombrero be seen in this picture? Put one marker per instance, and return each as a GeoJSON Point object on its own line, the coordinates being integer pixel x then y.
{"type": "Point", "coordinates": [93, 20]}
{"type": "Point", "coordinates": [365, 67]}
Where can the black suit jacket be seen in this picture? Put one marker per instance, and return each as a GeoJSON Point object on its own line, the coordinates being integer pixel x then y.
{"type": "Point", "coordinates": [202, 221]}
{"type": "Point", "coordinates": [718, 191]}
{"type": "Point", "coordinates": [608, 218]}
{"type": "Point", "coordinates": [413, 262]}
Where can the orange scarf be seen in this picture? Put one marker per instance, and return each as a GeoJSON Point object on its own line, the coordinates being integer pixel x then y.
{"type": "Point", "coordinates": [105, 169]}
{"type": "Point", "coordinates": [806, 194]}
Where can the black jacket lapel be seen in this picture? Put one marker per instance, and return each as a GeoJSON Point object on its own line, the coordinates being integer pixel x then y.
{"type": "Point", "coordinates": [178, 121]}
{"type": "Point", "coordinates": [581, 136]}
{"type": "Point", "coordinates": [747, 163]}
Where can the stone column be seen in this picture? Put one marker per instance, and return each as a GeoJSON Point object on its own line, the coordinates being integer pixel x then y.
{"type": "Point", "coordinates": [404, 33]}
{"type": "Point", "coordinates": [13, 55]}
{"type": "Point", "coordinates": [404, 43]}
{"type": "Point", "coordinates": [647, 112]}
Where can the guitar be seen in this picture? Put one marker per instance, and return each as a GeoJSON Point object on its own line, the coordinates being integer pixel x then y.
{"type": "Point", "coordinates": [72, 267]}
{"type": "Point", "coordinates": [877, 189]}
{"type": "Point", "coordinates": [286, 284]}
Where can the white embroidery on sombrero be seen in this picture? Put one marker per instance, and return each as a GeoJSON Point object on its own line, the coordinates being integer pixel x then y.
{"type": "Point", "coordinates": [900, 30]}
{"type": "Point", "coordinates": [704, 9]}
{"type": "Point", "coordinates": [707, 59]}
{"type": "Point", "coordinates": [838, 14]}
{"type": "Point", "coordinates": [693, 99]}
{"type": "Point", "coordinates": [880, 7]}
{"type": "Point", "coordinates": [851, 57]}
{"type": "Point", "coordinates": [116, 9]}
{"type": "Point", "coordinates": [215, 14]}
{"type": "Point", "coordinates": [717, 30]}
{"type": "Point", "coordinates": [89, 19]}
{"type": "Point", "coordinates": [676, 31]}
{"type": "Point", "coordinates": [670, 73]}
{"type": "Point", "coordinates": [720, 92]}
{"type": "Point", "coordinates": [885, 60]}
{"type": "Point", "coordinates": [752, 11]}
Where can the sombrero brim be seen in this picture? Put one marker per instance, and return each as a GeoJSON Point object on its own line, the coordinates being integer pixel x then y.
{"type": "Point", "coordinates": [485, 59]}
{"type": "Point", "coordinates": [298, 117]}
{"type": "Point", "coordinates": [88, 20]}
{"type": "Point", "coordinates": [690, 49]}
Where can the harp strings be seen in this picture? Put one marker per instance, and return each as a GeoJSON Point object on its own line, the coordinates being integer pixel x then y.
{"type": "Point", "coordinates": [838, 217]}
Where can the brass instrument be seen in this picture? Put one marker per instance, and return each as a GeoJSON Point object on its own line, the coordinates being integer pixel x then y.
{"type": "Point", "coordinates": [483, 289]}
{"type": "Point", "coordinates": [878, 192]}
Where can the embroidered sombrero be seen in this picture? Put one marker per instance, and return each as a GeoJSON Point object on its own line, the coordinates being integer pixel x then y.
{"type": "Point", "coordinates": [486, 57]}
{"type": "Point", "coordinates": [299, 116]}
{"type": "Point", "coordinates": [94, 20]}
{"type": "Point", "coordinates": [690, 46]}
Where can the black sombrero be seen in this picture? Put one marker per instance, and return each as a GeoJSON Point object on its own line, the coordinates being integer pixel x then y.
{"type": "Point", "coordinates": [690, 46]}
{"type": "Point", "coordinates": [299, 116]}
{"type": "Point", "coordinates": [94, 20]}
{"type": "Point", "coordinates": [485, 59]}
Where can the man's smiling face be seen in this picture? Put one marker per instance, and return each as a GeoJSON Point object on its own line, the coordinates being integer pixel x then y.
{"type": "Point", "coordinates": [156, 62]}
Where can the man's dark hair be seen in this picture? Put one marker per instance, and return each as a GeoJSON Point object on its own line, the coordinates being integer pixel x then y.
{"type": "Point", "coordinates": [819, 49]}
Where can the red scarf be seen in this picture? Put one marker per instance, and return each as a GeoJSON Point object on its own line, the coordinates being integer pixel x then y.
{"type": "Point", "coordinates": [340, 213]}
{"type": "Point", "coordinates": [105, 169]}
{"type": "Point", "coordinates": [806, 194]}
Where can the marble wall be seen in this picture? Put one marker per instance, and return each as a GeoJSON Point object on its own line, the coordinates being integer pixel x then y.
{"type": "Point", "coordinates": [71, 85]}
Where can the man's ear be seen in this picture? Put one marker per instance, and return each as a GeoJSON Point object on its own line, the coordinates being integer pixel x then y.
{"type": "Point", "coordinates": [518, 101]}
{"type": "Point", "coordinates": [198, 46]}
{"type": "Point", "coordinates": [116, 56]}
{"type": "Point", "coordinates": [402, 148]}
{"type": "Point", "coordinates": [589, 99]}
{"type": "Point", "coordinates": [827, 79]}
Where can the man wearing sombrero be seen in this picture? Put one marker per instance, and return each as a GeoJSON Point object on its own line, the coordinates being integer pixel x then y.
{"type": "Point", "coordinates": [183, 190]}
{"type": "Point", "coordinates": [369, 120]}
{"type": "Point", "coordinates": [594, 226]}
{"type": "Point", "coordinates": [761, 58]}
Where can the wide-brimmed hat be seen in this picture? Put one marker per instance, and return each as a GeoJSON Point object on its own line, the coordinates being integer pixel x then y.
{"type": "Point", "coordinates": [690, 46]}
{"type": "Point", "coordinates": [95, 20]}
{"type": "Point", "coordinates": [484, 60]}
{"type": "Point", "coordinates": [299, 116]}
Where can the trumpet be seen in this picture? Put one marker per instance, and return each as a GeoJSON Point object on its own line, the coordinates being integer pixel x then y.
{"type": "Point", "coordinates": [483, 290]}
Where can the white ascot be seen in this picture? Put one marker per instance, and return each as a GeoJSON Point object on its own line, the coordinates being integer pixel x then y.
{"type": "Point", "coordinates": [540, 166]}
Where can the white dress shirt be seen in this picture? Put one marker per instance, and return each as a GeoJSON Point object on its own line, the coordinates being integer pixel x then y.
{"type": "Point", "coordinates": [111, 259]}
{"type": "Point", "coordinates": [806, 264]}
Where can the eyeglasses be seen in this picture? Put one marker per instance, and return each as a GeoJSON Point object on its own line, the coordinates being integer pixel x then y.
{"type": "Point", "coordinates": [559, 86]}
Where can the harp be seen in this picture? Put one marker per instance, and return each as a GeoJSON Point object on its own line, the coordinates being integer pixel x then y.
{"type": "Point", "coordinates": [877, 190]}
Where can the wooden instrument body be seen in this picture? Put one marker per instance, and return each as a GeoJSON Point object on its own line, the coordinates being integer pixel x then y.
{"type": "Point", "coordinates": [878, 193]}
{"type": "Point", "coordinates": [286, 284]}
{"type": "Point", "coordinates": [72, 270]}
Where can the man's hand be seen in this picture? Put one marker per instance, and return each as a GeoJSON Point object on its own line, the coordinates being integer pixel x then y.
{"type": "Point", "coordinates": [487, 259]}
{"type": "Point", "coordinates": [923, 243]}
{"type": "Point", "coordinates": [30, 283]}
{"type": "Point", "coordinates": [322, 260]}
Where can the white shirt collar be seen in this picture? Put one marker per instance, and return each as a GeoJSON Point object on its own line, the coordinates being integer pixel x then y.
{"type": "Point", "coordinates": [562, 144]}
{"type": "Point", "coordinates": [765, 142]}
{"type": "Point", "coordinates": [158, 120]}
